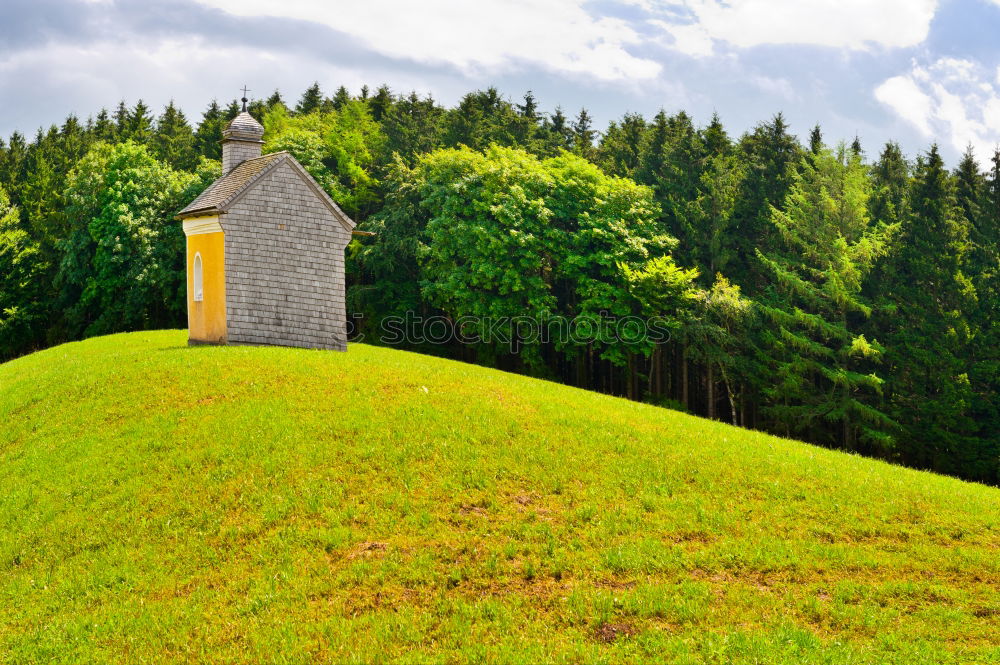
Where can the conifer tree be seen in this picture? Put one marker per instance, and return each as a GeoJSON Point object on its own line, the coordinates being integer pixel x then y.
{"type": "Point", "coordinates": [311, 100]}
{"type": "Point", "coordinates": [121, 118]}
{"type": "Point", "coordinates": [715, 138]}
{"type": "Point", "coordinates": [527, 124]}
{"type": "Point", "coordinates": [929, 334]}
{"type": "Point", "coordinates": [890, 186]}
{"type": "Point", "coordinates": [139, 127]}
{"type": "Point", "coordinates": [340, 98]}
{"type": "Point", "coordinates": [481, 118]}
{"type": "Point", "coordinates": [583, 135]}
{"type": "Point", "coordinates": [529, 109]}
{"type": "Point", "coordinates": [380, 102]}
{"type": "Point", "coordinates": [770, 154]}
{"type": "Point", "coordinates": [823, 385]}
{"type": "Point", "coordinates": [230, 112]}
{"type": "Point", "coordinates": [978, 197]}
{"type": "Point", "coordinates": [209, 134]}
{"type": "Point", "coordinates": [558, 133]}
{"type": "Point", "coordinates": [620, 149]}
{"type": "Point", "coordinates": [173, 140]}
{"type": "Point", "coordinates": [274, 100]}
{"type": "Point", "coordinates": [12, 169]}
{"type": "Point", "coordinates": [412, 127]}
{"type": "Point", "coordinates": [103, 128]}
{"type": "Point", "coordinates": [653, 156]}
{"type": "Point", "coordinates": [816, 140]}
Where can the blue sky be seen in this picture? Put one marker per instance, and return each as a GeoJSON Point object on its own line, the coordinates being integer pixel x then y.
{"type": "Point", "coordinates": [915, 71]}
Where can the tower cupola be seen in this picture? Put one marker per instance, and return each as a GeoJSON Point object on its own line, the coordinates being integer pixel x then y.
{"type": "Point", "coordinates": [242, 139]}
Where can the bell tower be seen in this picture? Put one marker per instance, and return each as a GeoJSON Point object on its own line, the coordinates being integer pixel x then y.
{"type": "Point", "coordinates": [242, 139]}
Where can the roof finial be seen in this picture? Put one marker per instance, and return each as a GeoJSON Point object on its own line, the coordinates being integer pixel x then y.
{"type": "Point", "coordinates": [245, 100]}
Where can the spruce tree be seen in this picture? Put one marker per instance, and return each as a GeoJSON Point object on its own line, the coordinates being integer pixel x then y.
{"type": "Point", "coordinates": [979, 198]}
{"type": "Point", "coordinates": [770, 154]}
{"type": "Point", "coordinates": [340, 98]}
{"type": "Point", "coordinates": [311, 100]}
{"type": "Point", "coordinates": [104, 129]}
{"type": "Point", "coordinates": [274, 100]}
{"type": "Point", "coordinates": [121, 118]}
{"type": "Point", "coordinates": [139, 127]}
{"type": "Point", "coordinates": [231, 111]}
{"type": "Point", "coordinates": [715, 138]}
{"type": "Point", "coordinates": [816, 140]}
{"type": "Point", "coordinates": [380, 102]}
{"type": "Point", "coordinates": [890, 177]}
{"type": "Point", "coordinates": [823, 385]}
{"type": "Point", "coordinates": [12, 170]}
{"type": "Point", "coordinates": [653, 156]}
{"type": "Point", "coordinates": [529, 109]}
{"type": "Point", "coordinates": [929, 300]}
{"type": "Point", "coordinates": [209, 134]}
{"type": "Point", "coordinates": [583, 135]}
{"type": "Point", "coordinates": [620, 149]}
{"type": "Point", "coordinates": [173, 140]}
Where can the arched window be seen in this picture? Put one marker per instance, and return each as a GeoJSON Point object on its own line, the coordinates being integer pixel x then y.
{"type": "Point", "coordinates": [198, 290]}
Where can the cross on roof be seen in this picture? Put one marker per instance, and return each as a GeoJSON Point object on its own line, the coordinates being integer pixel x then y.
{"type": "Point", "coordinates": [245, 100]}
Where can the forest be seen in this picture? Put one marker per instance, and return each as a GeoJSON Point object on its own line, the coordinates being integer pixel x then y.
{"type": "Point", "coordinates": [809, 288]}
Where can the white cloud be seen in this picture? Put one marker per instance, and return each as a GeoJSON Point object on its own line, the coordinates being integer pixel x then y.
{"type": "Point", "coordinates": [953, 100]}
{"type": "Point", "coordinates": [478, 36]}
{"type": "Point", "coordinates": [62, 78]}
{"type": "Point", "coordinates": [844, 24]}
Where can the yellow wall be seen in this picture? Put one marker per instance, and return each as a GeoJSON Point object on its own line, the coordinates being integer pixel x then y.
{"type": "Point", "coordinates": [207, 319]}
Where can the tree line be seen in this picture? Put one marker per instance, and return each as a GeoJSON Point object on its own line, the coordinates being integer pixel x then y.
{"type": "Point", "coordinates": [809, 289]}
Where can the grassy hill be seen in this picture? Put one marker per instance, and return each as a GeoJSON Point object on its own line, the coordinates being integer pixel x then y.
{"type": "Point", "coordinates": [160, 503]}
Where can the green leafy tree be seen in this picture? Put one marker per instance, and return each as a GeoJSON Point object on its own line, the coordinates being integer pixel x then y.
{"type": "Point", "coordinates": [122, 267]}
{"type": "Point", "coordinates": [23, 271]}
{"type": "Point", "coordinates": [339, 149]}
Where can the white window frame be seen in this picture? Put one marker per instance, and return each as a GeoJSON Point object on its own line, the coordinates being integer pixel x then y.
{"type": "Point", "coordinates": [198, 280]}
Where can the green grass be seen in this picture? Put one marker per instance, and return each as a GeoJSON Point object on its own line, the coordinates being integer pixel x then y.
{"type": "Point", "coordinates": [160, 503]}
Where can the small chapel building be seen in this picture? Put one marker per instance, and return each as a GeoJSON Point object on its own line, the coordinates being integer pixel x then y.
{"type": "Point", "coordinates": [265, 251]}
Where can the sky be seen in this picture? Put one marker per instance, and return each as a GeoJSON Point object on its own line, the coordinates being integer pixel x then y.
{"type": "Point", "coordinates": [914, 71]}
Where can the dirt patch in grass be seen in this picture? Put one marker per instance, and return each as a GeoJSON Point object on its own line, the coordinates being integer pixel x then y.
{"type": "Point", "coordinates": [367, 549]}
{"type": "Point", "coordinates": [611, 632]}
{"type": "Point", "coordinates": [616, 585]}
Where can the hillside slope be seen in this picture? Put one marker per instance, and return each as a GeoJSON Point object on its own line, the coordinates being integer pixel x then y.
{"type": "Point", "coordinates": [160, 503]}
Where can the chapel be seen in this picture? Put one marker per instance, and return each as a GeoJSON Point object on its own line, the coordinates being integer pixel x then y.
{"type": "Point", "coordinates": [265, 251]}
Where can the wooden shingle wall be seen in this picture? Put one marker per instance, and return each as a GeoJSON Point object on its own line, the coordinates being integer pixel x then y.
{"type": "Point", "coordinates": [285, 266]}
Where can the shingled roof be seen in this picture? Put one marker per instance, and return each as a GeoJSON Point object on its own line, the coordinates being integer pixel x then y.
{"type": "Point", "coordinates": [225, 188]}
{"type": "Point", "coordinates": [222, 193]}
{"type": "Point", "coordinates": [244, 127]}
